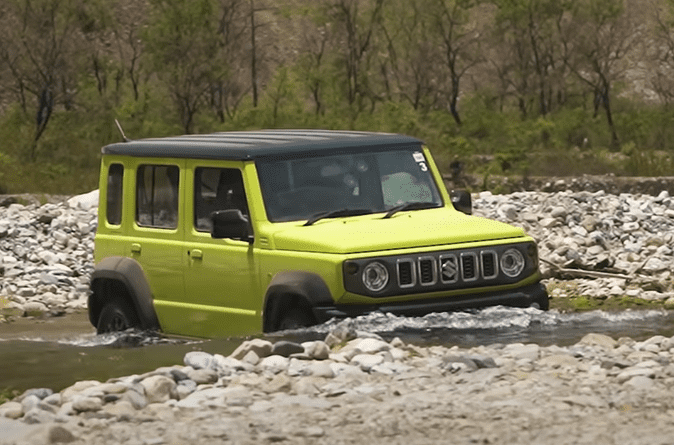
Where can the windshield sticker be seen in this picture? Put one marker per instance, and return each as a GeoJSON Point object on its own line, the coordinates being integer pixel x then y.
{"type": "Point", "coordinates": [419, 158]}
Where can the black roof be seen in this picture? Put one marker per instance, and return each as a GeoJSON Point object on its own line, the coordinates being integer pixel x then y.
{"type": "Point", "coordinates": [242, 145]}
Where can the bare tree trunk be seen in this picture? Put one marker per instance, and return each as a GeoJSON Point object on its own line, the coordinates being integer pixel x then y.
{"type": "Point", "coordinates": [454, 99]}
{"type": "Point", "coordinates": [253, 67]}
{"type": "Point", "coordinates": [606, 104]}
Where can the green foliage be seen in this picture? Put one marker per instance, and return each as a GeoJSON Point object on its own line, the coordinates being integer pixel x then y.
{"type": "Point", "coordinates": [582, 303]}
{"type": "Point", "coordinates": [184, 50]}
{"type": "Point", "coordinates": [7, 394]}
{"type": "Point", "coordinates": [390, 74]}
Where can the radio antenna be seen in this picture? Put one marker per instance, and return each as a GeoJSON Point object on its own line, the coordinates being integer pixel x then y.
{"type": "Point", "coordinates": [119, 127]}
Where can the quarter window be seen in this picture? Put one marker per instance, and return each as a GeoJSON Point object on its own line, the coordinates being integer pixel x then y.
{"type": "Point", "coordinates": [114, 195]}
{"type": "Point", "coordinates": [157, 196]}
{"type": "Point", "coordinates": [217, 189]}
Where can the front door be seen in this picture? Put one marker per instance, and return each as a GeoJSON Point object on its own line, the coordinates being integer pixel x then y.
{"type": "Point", "coordinates": [221, 274]}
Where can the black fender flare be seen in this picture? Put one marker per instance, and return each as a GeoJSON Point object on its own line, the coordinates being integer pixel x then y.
{"type": "Point", "coordinates": [308, 286]}
{"type": "Point", "coordinates": [129, 273]}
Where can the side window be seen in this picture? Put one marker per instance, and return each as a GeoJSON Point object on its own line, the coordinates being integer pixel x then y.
{"type": "Point", "coordinates": [114, 196]}
{"type": "Point", "coordinates": [157, 196]}
{"type": "Point", "coordinates": [217, 189]}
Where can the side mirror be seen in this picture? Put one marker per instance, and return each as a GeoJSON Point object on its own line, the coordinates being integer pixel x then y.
{"type": "Point", "coordinates": [231, 224]}
{"type": "Point", "coordinates": [462, 201]}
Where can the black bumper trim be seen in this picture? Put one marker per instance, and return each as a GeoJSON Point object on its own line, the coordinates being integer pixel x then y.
{"type": "Point", "coordinates": [522, 297]}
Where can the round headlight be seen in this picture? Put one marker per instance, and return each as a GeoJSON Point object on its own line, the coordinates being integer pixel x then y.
{"type": "Point", "coordinates": [375, 276]}
{"type": "Point", "coordinates": [512, 262]}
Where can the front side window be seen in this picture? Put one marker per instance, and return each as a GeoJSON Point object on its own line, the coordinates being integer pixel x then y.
{"type": "Point", "coordinates": [298, 189]}
{"type": "Point", "coordinates": [157, 196]}
{"type": "Point", "coordinates": [114, 195]}
{"type": "Point", "coordinates": [217, 189]}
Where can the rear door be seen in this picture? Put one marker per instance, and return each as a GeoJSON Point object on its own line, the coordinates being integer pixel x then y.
{"type": "Point", "coordinates": [157, 235]}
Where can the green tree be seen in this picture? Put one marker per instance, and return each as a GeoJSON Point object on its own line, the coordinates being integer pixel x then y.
{"type": "Point", "coordinates": [39, 43]}
{"type": "Point", "coordinates": [597, 38]}
{"type": "Point", "coordinates": [528, 51]}
{"type": "Point", "coordinates": [314, 49]}
{"type": "Point", "coordinates": [129, 46]}
{"type": "Point", "coordinates": [184, 52]}
{"type": "Point", "coordinates": [356, 24]}
{"type": "Point", "coordinates": [460, 39]}
{"type": "Point", "coordinates": [410, 69]}
{"type": "Point", "coordinates": [226, 93]}
{"type": "Point", "coordinates": [662, 54]}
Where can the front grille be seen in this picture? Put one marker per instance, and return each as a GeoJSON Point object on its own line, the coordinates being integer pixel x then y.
{"type": "Point", "coordinates": [406, 274]}
{"type": "Point", "coordinates": [469, 266]}
{"type": "Point", "coordinates": [440, 271]}
{"type": "Point", "coordinates": [428, 274]}
{"type": "Point", "coordinates": [458, 269]}
{"type": "Point", "coordinates": [488, 264]}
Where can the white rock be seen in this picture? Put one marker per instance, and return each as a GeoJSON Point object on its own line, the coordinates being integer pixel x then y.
{"type": "Point", "coordinates": [520, 351]}
{"type": "Point", "coordinates": [320, 369]}
{"type": "Point", "coordinates": [198, 359]}
{"type": "Point", "coordinates": [159, 388]}
{"type": "Point", "coordinates": [86, 201]}
{"type": "Point", "coordinates": [274, 363]}
{"type": "Point", "coordinates": [11, 410]}
{"type": "Point", "coordinates": [317, 350]}
{"type": "Point", "coordinates": [261, 348]}
{"type": "Point", "coordinates": [367, 361]}
{"type": "Point", "coordinates": [86, 404]}
{"type": "Point", "coordinates": [629, 373]}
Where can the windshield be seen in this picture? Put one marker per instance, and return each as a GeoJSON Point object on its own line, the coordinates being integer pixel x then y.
{"type": "Point", "coordinates": [299, 189]}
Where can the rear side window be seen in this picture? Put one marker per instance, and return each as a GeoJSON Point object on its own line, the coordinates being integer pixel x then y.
{"type": "Point", "coordinates": [114, 196]}
{"type": "Point", "coordinates": [157, 196]}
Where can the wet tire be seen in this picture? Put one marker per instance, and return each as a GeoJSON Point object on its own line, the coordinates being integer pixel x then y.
{"type": "Point", "coordinates": [117, 316]}
{"type": "Point", "coordinates": [296, 318]}
{"type": "Point", "coordinates": [543, 303]}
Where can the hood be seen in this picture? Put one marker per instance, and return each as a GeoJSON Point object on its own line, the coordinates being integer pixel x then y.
{"type": "Point", "coordinates": [371, 233]}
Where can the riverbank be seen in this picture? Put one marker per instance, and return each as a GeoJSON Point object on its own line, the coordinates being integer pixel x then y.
{"type": "Point", "coordinates": [366, 390]}
{"type": "Point", "coordinates": [355, 387]}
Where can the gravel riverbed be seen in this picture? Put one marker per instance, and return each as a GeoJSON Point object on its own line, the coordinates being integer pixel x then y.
{"type": "Point", "coordinates": [366, 390]}
{"type": "Point", "coordinates": [354, 387]}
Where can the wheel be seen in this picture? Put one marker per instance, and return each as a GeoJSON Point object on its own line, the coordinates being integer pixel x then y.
{"type": "Point", "coordinates": [543, 303]}
{"type": "Point", "coordinates": [296, 318]}
{"type": "Point", "coordinates": [117, 315]}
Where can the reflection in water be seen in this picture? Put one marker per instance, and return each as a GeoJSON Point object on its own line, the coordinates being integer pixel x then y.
{"type": "Point", "coordinates": [44, 355]}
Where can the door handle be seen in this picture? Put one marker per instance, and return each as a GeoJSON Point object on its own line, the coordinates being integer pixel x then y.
{"type": "Point", "coordinates": [135, 248]}
{"type": "Point", "coordinates": [196, 254]}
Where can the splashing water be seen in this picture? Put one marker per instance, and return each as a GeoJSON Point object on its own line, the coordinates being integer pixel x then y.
{"type": "Point", "coordinates": [501, 324]}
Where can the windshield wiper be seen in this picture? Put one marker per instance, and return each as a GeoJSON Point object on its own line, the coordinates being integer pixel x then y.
{"type": "Point", "coordinates": [415, 205]}
{"type": "Point", "coordinates": [336, 213]}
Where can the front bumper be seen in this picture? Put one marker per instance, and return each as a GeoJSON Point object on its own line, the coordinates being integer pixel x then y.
{"type": "Point", "coordinates": [521, 297]}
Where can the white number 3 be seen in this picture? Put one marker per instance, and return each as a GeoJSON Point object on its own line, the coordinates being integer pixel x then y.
{"type": "Point", "coordinates": [423, 166]}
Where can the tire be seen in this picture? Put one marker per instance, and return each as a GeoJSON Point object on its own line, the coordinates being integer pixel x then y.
{"type": "Point", "coordinates": [543, 303]}
{"type": "Point", "coordinates": [296, 318]}
{"type": "Point", "coordinates": [117, 315]}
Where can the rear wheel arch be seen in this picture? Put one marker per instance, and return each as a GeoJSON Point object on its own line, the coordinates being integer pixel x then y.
{"type": "Point", "coordinates": [122, 279]}
{"type": "Point", "coordinates": [294, 291]}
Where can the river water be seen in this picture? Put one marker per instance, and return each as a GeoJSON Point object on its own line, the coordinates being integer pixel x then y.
{"type": "Point", "coordinates": [56, 352]}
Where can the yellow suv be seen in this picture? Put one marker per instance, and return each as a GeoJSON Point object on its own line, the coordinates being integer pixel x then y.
{"type": "Point", "coordinates": [242, 232]}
